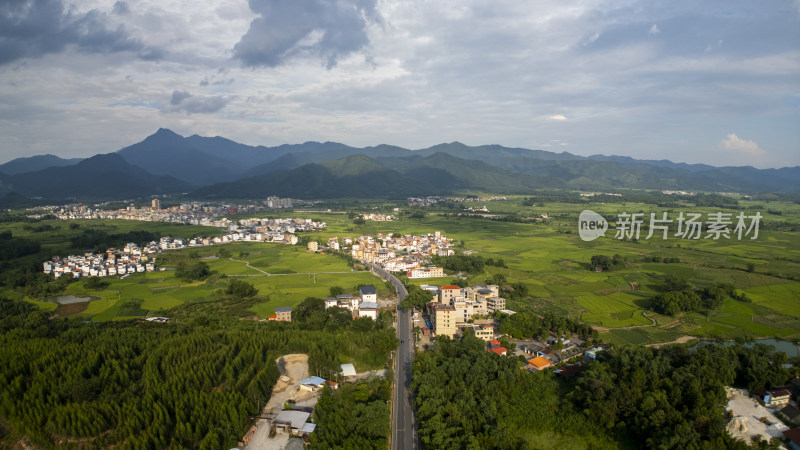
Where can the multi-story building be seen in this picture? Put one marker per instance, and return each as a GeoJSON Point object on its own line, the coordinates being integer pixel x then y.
{"type": "Point", "coordinates": [444, 319]}
{"type": "Point", "coordinates": [368, 309]}
{"type": "Point", "coordinates": [425, 272]}
{"type": "Point", "coordinates": [283, 314]}
{"type": "Point", "coordinates": [448, 293]}
{"type": "Point", "coordinates": [495, 304]}
{"type": "Point", "coordinates": [368, 294]}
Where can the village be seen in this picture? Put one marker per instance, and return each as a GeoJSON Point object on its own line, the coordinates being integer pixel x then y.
{"type": "Point", "coordinates": [133, 259]}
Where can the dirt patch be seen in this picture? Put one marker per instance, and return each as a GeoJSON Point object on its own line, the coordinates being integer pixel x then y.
{"type": "Point", "coordinates": [750, 418]}
{"type": "Point", "coordinates": [295, 366]}
{"type": "Point", "coordinates": [680, 340]}
{"type": "Point", "coordinates": [71, 308]}
{"type": "Point", "coordinates": [293, 369]}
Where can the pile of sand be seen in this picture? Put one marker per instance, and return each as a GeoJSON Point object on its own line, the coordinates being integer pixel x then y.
{"type": "Point", "coordinates": [738, 428]}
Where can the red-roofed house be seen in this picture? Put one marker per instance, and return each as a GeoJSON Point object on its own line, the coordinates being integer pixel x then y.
{"type": "Point", "coordinates": [494, 343]}
{"type": "Point", "coordinates": [499, 350]}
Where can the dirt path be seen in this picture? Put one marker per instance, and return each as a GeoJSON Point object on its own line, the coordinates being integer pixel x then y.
{"type": "Point", "coordinates": [680, 340]}
{"type": "Point", "coordinates": [293, 368]}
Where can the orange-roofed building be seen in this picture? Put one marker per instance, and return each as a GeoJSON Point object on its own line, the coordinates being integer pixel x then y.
{"type": "Point", "coordinates": [499, 350]}
{"type": "Point", "coordinates": [540, 363]}
{"type": "Point", "coordinates": [494, 343]}
{"type": "Point", "coordinates": [447, 293]}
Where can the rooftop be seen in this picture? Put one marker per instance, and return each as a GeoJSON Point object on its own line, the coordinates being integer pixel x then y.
{"type": "Point", "coordinates": [366, 290]}
{"type": "Point", "coordinates": [313, 381]}
{"type": "Point", "coordinates": [283, 309]}
{"type": "Point", "coordinates": [348, 370]}
{"type": "Point", "coordinates": [539, 362]}
{"type": "Point", "coordinates": [296, 418]}
{"type": "Point", "coordinates": [793, 435]}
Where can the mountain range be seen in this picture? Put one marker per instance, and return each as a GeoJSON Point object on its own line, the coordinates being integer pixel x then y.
{"type": "Point", "coordinates": [215, 167]}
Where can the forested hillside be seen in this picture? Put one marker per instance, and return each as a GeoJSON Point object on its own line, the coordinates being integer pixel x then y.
{"type": "Point", "coordinates": [144, 385]}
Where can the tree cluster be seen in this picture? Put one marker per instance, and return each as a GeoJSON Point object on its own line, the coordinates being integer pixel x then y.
{"type": "Point", "coordinates": [460, 263]}
{"type": "Point", "coordinates": [99, 240]}
{"type": "Point", "coordinates": [672, 397]}
{"type": "Point", "coordinates": [14, 247]}
{"type": "Point", "coordinates": [680, 296]}
{"type": "Point", "coordinates": [241, 289]}
{"type": "Point", "coordinates": [529, 325]}
{"type": "Point", "coordinates": [192, 271]}
{"type": "Point", "coordinates": [354, 416]}
{"type": "Point", "coordinates": [144, 385]}
{"type": "Point", "coordinates": [658, 259]}
{"type": "Point", "coordinates": [606, 264]}
{"type": "Point", "coordinates": [416, 297]}
{"type": "Point", "coordinates": [631, 397]}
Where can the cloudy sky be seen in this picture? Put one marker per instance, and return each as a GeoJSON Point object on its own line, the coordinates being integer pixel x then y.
{"type": "Point", "coordinates": [712, 81]}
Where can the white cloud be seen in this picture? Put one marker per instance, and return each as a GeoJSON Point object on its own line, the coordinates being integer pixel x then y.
{"type": "Point", "coordinates": [429, 72]}
{"type": "Point", "coordinates": [743, 146]}
{"type": "Point", "coordinates": [591, 39]}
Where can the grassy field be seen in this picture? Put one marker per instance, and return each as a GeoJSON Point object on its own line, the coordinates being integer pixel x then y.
{"type": "Point", "coordinates": [551, 259]}
{"type": "Point", "coordinates": [547, 256]}
{"type": "Point", "coordinates": [284, 276]}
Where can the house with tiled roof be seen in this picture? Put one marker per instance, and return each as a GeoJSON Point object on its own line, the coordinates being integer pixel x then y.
{"type": "Point", "coordinates": [539, 363]}
{"type": "Point", "coordinates": [502, 351]}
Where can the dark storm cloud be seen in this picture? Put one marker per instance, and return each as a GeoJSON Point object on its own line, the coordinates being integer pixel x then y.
{"type": "Point", "coordinates": [183, 101]}
{"type": "Point", "coordinates": [321, 28]}
{"type": "Point", "coordinates": [32, 28]}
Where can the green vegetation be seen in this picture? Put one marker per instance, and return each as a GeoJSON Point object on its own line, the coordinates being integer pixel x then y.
{"type": "Point", "coordinates": [548, 259]}
{"type": "Point", "coordinates": [142, 385]}
{"type": "Point", "coordinates": [197, 270]}
{"type": "Point", "coordinates": [241, 289]}
{"type": "Point", "coordinates": [631, 397]}
{"type": "Point", "coordinates": [527, 325]}
{"type": "Point", "coordinates": [12, 248]}
{"type": "Point", "coordinates": [416, 297]}
{"type": "Point", "coordinates": [354, 416]}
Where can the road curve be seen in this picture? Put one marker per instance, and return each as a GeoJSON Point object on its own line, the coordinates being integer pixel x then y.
{"type": "Point", "coordinates": [404, 426]}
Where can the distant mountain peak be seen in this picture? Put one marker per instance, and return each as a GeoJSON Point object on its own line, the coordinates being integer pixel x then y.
{"type": "Point", "coordinates": [166, 132]}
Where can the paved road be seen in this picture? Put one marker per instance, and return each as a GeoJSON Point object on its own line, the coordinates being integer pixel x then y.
{"type": "Point", "coordinates": [404, 429]}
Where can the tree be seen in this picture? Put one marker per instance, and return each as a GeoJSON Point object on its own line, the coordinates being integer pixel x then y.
{"type": "Point", "coordinates": [673, 283]}
{"type": "Point", "coordinates": [416, 298]}
{"type": "Point", "coordinates": [336, 290]}
{"type": "Point", "coordinates": [197, 270]}
{"type": "Point", "coordinates": [95, 283]}
{"type": "Point", "coordinates": [601, 263]}
{"type": "Point", "coordinates": [498, 279]}
{"type": "Point", "coordinates": [241, 289]}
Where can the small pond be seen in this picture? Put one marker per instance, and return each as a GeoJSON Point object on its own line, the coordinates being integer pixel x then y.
{"type": "Point", "coordinates": [70, 299]}
{"type": "Point", "coordinates": [790, 348]}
